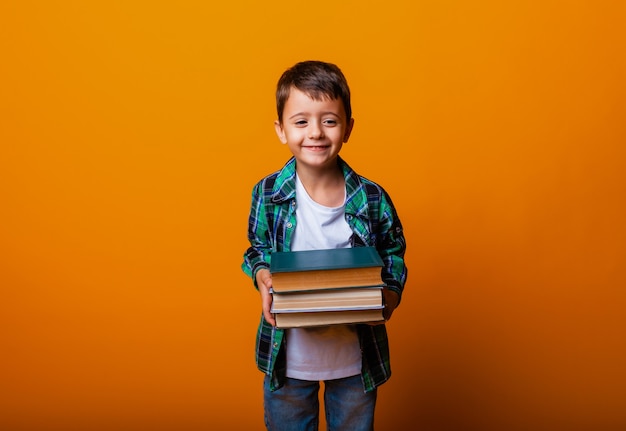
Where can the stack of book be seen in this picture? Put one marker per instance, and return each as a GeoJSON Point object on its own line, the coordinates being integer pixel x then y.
{"type": "Point", "coordinates": [326, 287]}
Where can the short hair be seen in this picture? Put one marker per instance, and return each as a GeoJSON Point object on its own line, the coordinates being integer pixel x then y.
{"type": "Point", "coordinates": [317, 79]}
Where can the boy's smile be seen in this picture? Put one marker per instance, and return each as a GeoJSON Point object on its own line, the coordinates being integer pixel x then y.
{"type": "Point", "coordinates": [314, 130]}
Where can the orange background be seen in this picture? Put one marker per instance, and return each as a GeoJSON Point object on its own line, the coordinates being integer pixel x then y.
{"type": "Point", "coordinates": [132, 132]}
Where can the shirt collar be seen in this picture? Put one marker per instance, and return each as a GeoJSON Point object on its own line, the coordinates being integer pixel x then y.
{"type": "Point", "coordinates": [356, 199]}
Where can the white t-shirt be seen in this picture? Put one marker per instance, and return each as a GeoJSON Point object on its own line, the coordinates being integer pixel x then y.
{"type": "Point", "coordinates": [328, 352]}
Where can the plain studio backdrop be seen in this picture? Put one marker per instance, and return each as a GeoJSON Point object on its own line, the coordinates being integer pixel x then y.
{"type": "Point", "coordinates": [131, 133]}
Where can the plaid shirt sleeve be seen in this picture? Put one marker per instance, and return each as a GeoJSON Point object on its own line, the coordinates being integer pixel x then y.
{"type": "Point", "coordinates": [257, 256]}
{"type": "Point", "coordinates": [391, 245]}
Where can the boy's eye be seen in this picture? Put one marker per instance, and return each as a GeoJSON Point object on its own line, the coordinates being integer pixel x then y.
{"type": "Point", "coordinates": [330, 122]}
{"type": "Point", "coordinates": [300, 123]}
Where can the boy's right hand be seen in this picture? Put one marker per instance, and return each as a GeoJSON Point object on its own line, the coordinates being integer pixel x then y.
{"type": "Point", "coordinates": [264, 283]}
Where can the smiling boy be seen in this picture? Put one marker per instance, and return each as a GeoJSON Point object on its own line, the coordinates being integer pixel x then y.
{"type": "Point", "coordinates": [316, 201]}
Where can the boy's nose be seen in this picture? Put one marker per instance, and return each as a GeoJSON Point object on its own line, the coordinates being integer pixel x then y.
{"type": "Point", "coordinates": [315, 132]}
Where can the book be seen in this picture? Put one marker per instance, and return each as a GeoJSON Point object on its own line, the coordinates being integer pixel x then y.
{"type": "Point", "coordinates": [322, 269]}
{"type": "Point", "coordinates": [328, 300]}
{"type": "Point", "coordinates": [323, 318]}
{"type": "Point", "coordinates": [326, 287]}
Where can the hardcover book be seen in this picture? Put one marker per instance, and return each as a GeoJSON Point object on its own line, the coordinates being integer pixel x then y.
{"type": "Point", "coordinates": [321, 269]}
{"type": "Point", "coordinates": [328, 300]}
{"type": "Point", "coordinates": [322, 318]}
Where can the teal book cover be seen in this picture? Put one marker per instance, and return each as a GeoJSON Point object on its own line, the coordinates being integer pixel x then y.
{"type": "Point", "coordinates": [316, 260]}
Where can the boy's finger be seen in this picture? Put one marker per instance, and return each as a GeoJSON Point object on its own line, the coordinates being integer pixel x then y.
{"type": "Point", "coordinates": [269, 318]}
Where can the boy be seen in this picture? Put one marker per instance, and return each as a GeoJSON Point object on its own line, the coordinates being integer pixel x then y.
{"type": "Point", "coordinates": [316, 201]}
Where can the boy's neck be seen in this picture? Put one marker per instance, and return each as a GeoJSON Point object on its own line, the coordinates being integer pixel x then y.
{"type": "Point", "coordinates": [324, 186]}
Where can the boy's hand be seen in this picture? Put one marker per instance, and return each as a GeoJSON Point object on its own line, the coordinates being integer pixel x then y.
{"type": "Point", "coordinates": [264, 282]}
{"type": "Point", "coordinates": [391, 299]}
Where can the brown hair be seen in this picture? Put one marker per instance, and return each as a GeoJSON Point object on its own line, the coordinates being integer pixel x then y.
{"type": "Point", "coordinates": [317, 79]}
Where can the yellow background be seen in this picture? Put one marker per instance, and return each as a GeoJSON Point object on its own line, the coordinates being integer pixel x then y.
{"type": "Point", "coordinates": [131, 133]}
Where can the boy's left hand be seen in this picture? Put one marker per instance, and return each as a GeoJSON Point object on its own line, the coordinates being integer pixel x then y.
{"type": "Point", "coordinates": [391, 299]}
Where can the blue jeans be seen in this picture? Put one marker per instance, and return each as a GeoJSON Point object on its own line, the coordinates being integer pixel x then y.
{"type": "Point", "coordinates": [295, 406]}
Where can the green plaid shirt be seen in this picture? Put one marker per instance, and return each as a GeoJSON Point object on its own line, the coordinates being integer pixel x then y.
{"type": "Point", "coordinates": [374, 222]}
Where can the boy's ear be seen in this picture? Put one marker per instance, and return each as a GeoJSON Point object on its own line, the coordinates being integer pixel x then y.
{"type": "Point", "coordinates": [279, 131]}
{"type": "Point", "coordinates": [349, 127]}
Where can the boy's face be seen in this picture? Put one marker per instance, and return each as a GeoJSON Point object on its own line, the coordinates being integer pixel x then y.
{"type": "Point", "coordinates": [314, 130]}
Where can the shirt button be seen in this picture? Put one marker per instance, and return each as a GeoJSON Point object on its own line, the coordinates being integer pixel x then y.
{"type": "Point", "coordinates": [275, 345]}
{"type": "Point", "coordinates": [289, 225]}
